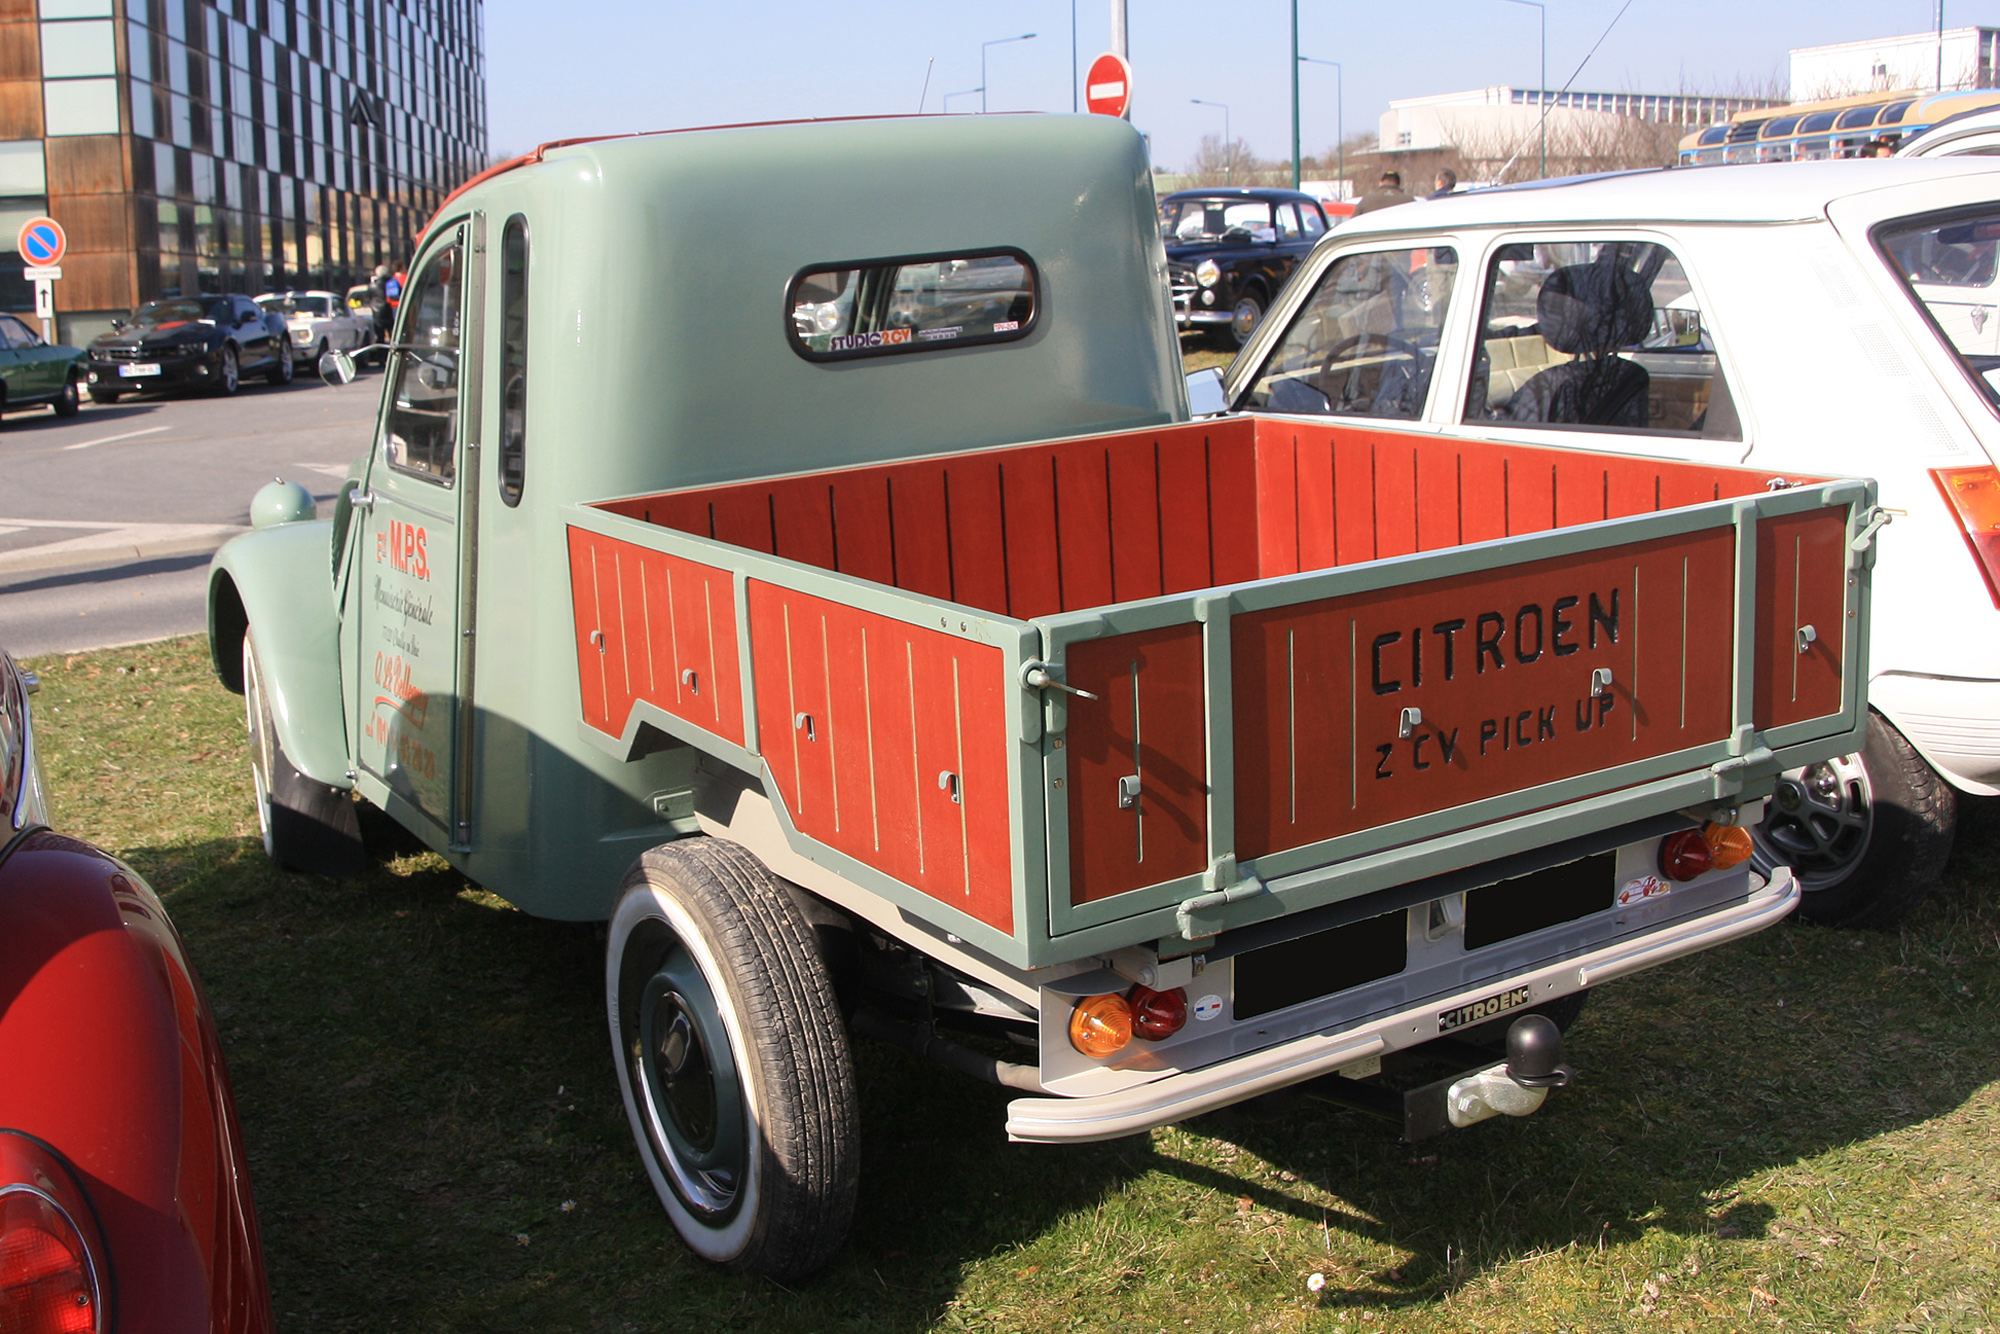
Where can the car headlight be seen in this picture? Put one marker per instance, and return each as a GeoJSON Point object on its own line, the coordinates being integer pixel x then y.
{"type": "Point", "coordinates": [302, 336]}
{"type": "Point", "coordinates": [1208, 273]}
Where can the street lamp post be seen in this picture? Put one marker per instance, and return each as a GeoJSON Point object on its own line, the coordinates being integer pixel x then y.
{"type": "Point", "coordinates": [1228, 148]}
{"type": "Point", "coordinates": [1295, 94]}
{"type": "Point", "coordinates": [1339, 113]}
{"type": "Point", "coordinates": [1542, 92]}
{"type": "Point", "coordinates": [997, 41]}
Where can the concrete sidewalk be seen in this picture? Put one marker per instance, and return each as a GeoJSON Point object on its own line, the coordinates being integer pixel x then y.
{"type": "Point", "coordinates": [101, 543]}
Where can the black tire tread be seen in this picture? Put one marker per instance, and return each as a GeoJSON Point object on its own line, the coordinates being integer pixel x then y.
{"type": "Point", "coordinates": [314, 827]}
{"type": "Point", "coordinates": [1916, 814]}
{"type": "Point", "coordinates": [812, 1168]}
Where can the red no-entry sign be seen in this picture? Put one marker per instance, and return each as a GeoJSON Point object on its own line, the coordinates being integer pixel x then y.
{"type": "Point", "coordinates": [1108, 90]}
{"type": "Point", "coordinates": [42, 242]}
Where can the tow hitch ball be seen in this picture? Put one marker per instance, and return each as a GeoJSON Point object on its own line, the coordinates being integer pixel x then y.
{"type": "Point", "coordinates": [1518, 1086]}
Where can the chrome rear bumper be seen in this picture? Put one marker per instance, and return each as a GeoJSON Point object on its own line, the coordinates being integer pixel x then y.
{"type": "Point", "coordinates": [1177, 1097]}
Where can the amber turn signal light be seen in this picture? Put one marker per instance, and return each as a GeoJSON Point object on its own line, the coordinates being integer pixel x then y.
{"type": "Point", "coordinates": [1974, 497]}
{"type": "Point", "coordinates": [1158, 1014]}
{"type": "Point", "coordinates": [1728, 844]}
{"type": "Point", "coordinates": [1100, 1025]}
{"type": "Point", "coordinates": [1685, 855]}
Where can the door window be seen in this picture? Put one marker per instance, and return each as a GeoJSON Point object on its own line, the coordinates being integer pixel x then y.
{"type": "Point", "coordinates": [1364, 343]}
{"type": "Point", "coordinates": [514, 360]}
{"type": "Point", "coordinates": [420, 427]}
{"type": "Point", "coordinates": [13, 333]}
{"type": "Point", "coordinates": [1315, 224]}
{"type": "Point", "coordinates": [1288, 222]}
{"type": "Point", "coordinates": [1599, 336]}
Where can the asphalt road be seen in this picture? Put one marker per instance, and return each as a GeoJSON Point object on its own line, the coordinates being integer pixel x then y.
{"type": "Point", "coordinates": [107, 520]}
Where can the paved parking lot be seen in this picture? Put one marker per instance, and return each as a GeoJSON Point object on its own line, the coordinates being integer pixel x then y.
{"type": "Point", "coordinates": [107, 519]}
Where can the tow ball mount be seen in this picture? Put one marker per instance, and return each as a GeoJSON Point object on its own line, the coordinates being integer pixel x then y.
{"type": "Point", "coordinates": [1482, 1088]}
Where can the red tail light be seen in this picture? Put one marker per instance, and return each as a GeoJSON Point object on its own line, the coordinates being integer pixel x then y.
{"type": "Point", "coordinates": [1974, 497]}
{"type": "Point", "coordinates": [1158, 1014]}
{"type": "Point", "coordinates": [1685, 855]}
{"type": "Point", "coordinates": [46, 1282]}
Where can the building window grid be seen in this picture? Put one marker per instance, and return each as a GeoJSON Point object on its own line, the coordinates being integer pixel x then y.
{"type": "Point", "coordinates": [234, 245]}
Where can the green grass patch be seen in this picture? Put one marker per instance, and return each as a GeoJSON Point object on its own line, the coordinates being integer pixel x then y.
{"type": "Point", "coordinates": [1797, 1132]}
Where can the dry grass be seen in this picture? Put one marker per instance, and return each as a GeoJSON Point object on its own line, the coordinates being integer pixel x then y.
{"type": "Point", "coordinates": [1795, 1133]}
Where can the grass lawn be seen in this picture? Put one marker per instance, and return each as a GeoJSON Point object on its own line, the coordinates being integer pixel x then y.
{"type": "Point", "coordinates": [1797, 1132]}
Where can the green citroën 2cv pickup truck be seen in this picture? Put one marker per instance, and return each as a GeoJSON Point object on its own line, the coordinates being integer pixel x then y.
{"type": "Point", "coordinates": [838, 599]}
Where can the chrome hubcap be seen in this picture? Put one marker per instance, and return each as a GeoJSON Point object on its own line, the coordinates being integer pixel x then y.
{"type": "Point", "coordinates": [1819, 821]}
{"type": "Point", "coordinates": [683, 1072]}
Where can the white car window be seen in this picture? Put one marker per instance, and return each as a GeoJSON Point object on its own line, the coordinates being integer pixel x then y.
{"type": "Point", "coordinates": [1600, 336]}
{"type": "Point", "coordinates": [1364, 343]}
{"type": "Point", "coordinates": [1952, 267]}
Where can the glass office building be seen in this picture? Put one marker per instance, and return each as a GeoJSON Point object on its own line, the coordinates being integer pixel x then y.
{"type": "Point", "coordinates": [230, 145]}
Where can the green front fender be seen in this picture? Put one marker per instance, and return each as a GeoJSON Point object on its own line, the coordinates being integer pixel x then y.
{"type": "Point", "coordinates": [276, 580]}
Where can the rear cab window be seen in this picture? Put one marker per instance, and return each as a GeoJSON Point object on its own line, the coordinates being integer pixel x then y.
{"type": "Point", "coordinates": [1596, 336]}
{"type": "Point", "coordinates": [1365, 342]}
{"type": "Point", "coordinates": [918, 303]}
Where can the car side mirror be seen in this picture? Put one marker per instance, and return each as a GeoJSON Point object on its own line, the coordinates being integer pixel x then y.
{"type": "Point", "coordinates": [1204, 391]}
{"type": "Point", "coordinates": [337, 369]}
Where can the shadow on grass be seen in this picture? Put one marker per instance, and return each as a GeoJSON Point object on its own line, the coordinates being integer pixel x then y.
{"type": "Point", "coordinates": [437, 1140]}
{"type": "Point", "coordinates": [1691, 1080]}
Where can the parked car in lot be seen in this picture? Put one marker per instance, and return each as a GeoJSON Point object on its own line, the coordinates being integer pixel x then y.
{"type": "Point", "coordinates": [1229, 251]}
{"type": "Point", "coordinates": [124, 1194]}
{"type": "Point", "coordinates": [199, 342]}
{"type": "Point", "coordinates": [1833, 318]}
{"type": "Point", "coordinates": [34, 371]}
{"type": "Point", "coordinates": [320, 322]}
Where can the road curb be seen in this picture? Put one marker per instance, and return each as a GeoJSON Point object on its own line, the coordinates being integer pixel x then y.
{"type": "Point", "coordinates": [115, 549]}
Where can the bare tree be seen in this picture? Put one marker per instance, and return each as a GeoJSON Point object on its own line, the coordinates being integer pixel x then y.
{"type": "Point", "coordinates": [1234, 163]}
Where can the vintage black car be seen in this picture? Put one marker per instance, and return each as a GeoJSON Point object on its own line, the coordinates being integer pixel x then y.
{"type": "Point", "coordinates": [1229, 250]}
{"type": "Point", "coordinates": [192, 342]}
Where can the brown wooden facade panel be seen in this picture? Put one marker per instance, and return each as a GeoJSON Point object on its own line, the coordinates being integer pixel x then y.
{"type": "Point", "coordinates": [21, 109]}
{"type": "Point", "coordinates": [94, 223]}
{"type": "Point", "coordinates": [20, 48]}
{"type": "Point", "coordinates": [86, 164]}
{"type": "Point", "coordinates": [95, 282]}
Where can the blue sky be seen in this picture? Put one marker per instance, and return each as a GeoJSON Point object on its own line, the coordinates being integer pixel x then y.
{"type": "Point", "coordinates": [605, 66]}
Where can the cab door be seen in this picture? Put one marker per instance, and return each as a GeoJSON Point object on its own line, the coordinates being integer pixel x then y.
{"type": "Point", "coordinates": [401, 634]}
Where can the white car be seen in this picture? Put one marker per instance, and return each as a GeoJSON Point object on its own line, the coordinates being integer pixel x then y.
{"type": "Point", "coordinates": [1974, 133]}
{"type": "Point", "coordinates": [1821, 319]}
{"type": "Point", "coordinates": [320, 322]}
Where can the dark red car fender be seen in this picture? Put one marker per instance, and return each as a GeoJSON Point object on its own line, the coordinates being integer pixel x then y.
{"type": "Point", "coordinates": [109, 1057]}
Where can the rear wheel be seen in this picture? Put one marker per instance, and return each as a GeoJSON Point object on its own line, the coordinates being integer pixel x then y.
{"type": "Point", "coordinates": [1867, 834]}
{"type": "Point", "coordinates": [307, 826]}
{"type": "Point", "coordinates": [734, 1065]}
{"type": "Point", "coordinates": [282, 369]}
{"type": "Point", "coordinates": [66, 404]}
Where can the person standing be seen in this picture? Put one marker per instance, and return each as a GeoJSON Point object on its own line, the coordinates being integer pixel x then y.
{"type": "Point", "coordinates": [1447, 181]}
{"type": "Point", "coordinates": [1387, 193]}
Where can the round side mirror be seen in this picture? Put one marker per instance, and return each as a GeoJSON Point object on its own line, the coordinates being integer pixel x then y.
{"type": "Point", "coordinates": [337, 369]}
